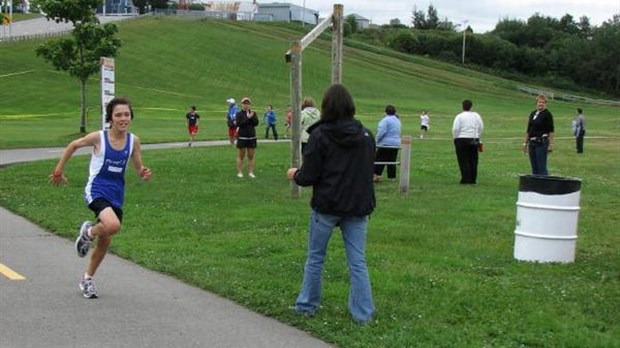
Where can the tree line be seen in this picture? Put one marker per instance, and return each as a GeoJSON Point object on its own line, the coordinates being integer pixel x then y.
{"type": "Point", "coordinates": [563, 53]}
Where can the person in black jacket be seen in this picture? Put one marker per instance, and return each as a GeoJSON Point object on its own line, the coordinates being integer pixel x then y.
{"type": "Point", "coordinates": [338, 162]}
{"type": "Point", "coordinates": [246, 122]}
{"type": "Point", "coordinates": [539, 137]}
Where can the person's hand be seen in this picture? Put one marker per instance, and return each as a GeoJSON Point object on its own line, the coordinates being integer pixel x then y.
{"type": "Point", "coordinates": [290, 173]}
{"type": "Point", "coordinates": [524, 147]}
{"type": "Point", "coordinates": [145, 173]}
{"type": "Point", "coordinates": [57, 178]}
{"type": "Point", "coordinates": [550, 147]}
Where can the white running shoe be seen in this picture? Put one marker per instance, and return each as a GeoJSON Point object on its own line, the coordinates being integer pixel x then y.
{"type": "Point", "coordinates": [82, 243]}
{"type": "Point", "coordinates": [251, 175]}
{"type": "Point", "coordinates": [88, 288]}
{"type": "Point", "coordinates": [240, 175]}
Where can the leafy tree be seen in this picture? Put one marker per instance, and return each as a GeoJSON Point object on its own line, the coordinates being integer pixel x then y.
{"type": "Point", "coordinates": [159, 4]}
{"type": "Point", "coordinates": [418, 19]}
{"type": "Point", "coordinates": [141, 5]}
{"type": "Point", "coordinates": [585, 29]}
{"type": "Point", "coordinates": [350, 19]}
{"type": "Point", "coordinates": [606, 55]}
{"type": "Point", "coordinates": [430, 20]}
{"type": "Point", "coordinates": [395, 22]}
{"type": "Point", "coordinates": [79, 54]}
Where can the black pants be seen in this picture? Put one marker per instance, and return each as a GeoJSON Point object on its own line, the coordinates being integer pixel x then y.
{"type": "Point", "coordinates": [386, 155]}
{"type": "Point", "coordinates": [273, 128]}
{"type": "Point", "coordinates": [579, 140]}
{"type": "Point", "coordinates": [467, 156]}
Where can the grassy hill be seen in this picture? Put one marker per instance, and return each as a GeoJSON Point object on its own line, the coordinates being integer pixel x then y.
{"type": "Point", "coordinates": [167, 64]}
{"type": "Point", "coordinates": [440, 259]}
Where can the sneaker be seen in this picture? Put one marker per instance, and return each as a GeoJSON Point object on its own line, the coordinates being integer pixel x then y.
{"type": "Point", "coordinates": [88, 288]}
{"type": "Point", "coordinates": [240, 175]}
{"type": "Point", "coordinates": [83, 241]}
{"type": "Point", "coordinates": [251, 175]}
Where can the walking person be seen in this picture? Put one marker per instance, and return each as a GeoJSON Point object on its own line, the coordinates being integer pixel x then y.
{"type": "Point", "coordinates": [338, 164]}
{"type": "Point", "coordinates": [309, 116]}
{"type": "Point", "coordinates": [580, 130]}
{"type": "Point", "coordinates": [104, 193]}
{"type": "Point", "coordinates": [270, 121]}
{"type": "Point", "coordinates": [246, 122]}
{"type": "Point", "coordinates": [425, 123]}
{"type": "Point", "coordinates": [233, 109]}
{"type": "Point", "coordinates": [192, 119]}
{"type": "Point", "coordinates": [539, 137]}
{"type": "Point", "coordinates": [288, 121]}
{"type": "Point", "coordinates": [388, 143]}
{"type": "Point", "coordinates": [466, 130]}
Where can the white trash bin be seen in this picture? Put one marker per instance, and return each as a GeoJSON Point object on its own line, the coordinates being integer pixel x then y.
{"type": "Point", "coordinates": [547, 215]}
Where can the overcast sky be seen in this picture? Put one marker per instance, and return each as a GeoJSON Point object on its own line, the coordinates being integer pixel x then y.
{"type": "Point", "coordinates": [482, 15]}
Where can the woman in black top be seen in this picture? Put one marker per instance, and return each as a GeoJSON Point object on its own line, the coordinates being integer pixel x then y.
{"type": "Point", "coordinates": [539, 136]}
{"type": "Point", "coordinates": [246, 122]}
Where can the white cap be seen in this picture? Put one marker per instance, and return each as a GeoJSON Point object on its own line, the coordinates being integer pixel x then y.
{"type": "Point", "coordinates": [230, 101]}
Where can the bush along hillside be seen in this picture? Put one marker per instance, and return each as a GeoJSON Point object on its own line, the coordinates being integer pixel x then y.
{"type": "Point", "coordinates": [561, 53]}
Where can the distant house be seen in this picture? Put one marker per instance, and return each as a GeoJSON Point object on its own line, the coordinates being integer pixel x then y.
{"type": "Point", "coordinates": [284, 12]}
{"type": "Point", "coordinates": [362, 22]}
{"type": "Point", "coordinates": [116, 7]}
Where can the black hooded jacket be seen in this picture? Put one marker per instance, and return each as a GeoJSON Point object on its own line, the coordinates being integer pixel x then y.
{"type": "Point", "coordinates": [339, 165]}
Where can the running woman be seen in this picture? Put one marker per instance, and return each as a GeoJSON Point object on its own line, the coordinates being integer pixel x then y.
{"type": "Point", "coordinates": [105, 189]}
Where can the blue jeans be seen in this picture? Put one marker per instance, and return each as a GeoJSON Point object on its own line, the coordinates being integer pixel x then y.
{"type": "Point", "coordinates": [354, 230]}
{"type": "Point", "coordinates": [538, 157]}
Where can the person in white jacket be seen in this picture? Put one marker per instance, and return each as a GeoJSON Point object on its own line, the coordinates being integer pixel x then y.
{"type": "Point", "coordinates": [466, 130]}
{"type": "Point", "coordinates": [309, 116]}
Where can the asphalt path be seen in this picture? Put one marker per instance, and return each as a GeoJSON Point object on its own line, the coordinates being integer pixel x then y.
{"type": "Point", "coordinates": [136, 307]}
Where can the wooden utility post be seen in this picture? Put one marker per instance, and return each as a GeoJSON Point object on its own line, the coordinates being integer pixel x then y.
{"type": "Point", "coordinates": [293, 56]}
{"type": "Point", "coordinates": [405, 156]}
{"type": "Point", "coordinates": [337, 38]}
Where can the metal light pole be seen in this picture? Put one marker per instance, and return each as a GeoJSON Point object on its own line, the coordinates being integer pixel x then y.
{"type": "Point", "coordinates": [464, 34]}
{"type": "Point", "coordinates": [303, 15]}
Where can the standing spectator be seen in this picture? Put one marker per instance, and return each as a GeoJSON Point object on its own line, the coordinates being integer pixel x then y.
{"type": "Point", "coordinates": [580, 129]}
{"type": "Point", "coordinates": [104, 193]}
{"type": "Point", "coordinates": [338, 164]}
{"type": "Point", "coordinates": [425, 124]}
{"type": "Point", "coordinates": [192, 119]}
{"type": "Point", "coordinates": [270, 121]}
{"type": "Point", "coordinates": [388, 143]}
{"type": "Point", "coordinates": [309, 116]}
{"type": "Point", "coordinates": [288, 121]}
{"type": "Point", "coordinates": [233, 109]}
{"type": "Point", "coordinates": [466, 130]}
{"type": "Point", "coordinates": [539, 137]}
{"type": "Point", "coordinates": [246, 121]}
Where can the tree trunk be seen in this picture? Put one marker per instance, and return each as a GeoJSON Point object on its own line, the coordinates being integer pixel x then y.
{"type": "Point", "coordinates": [83, 107]}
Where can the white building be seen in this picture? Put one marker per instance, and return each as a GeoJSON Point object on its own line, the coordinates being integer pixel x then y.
{"type": "Point", "coordinates": [285, 12]}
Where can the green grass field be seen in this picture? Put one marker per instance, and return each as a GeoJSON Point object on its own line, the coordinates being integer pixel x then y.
{"type": "Point", "coordinates": [441, 260]}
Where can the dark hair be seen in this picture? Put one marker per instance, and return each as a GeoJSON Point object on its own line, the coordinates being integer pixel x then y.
{"type": "Point", "coordinates": [337, 104]}
{"type": "Point", "coordinates": [579, 110]}
{"type": "Point", "coordinates": [113, 103]}
{"type": "Point", "coordinates": [390, 110]}
{"type": "Point", "coordinates": [308, 102]}
{"type": "Point", "coordinates": [467, 104]}
{"type": "Point", "coordinates": [193, 108]}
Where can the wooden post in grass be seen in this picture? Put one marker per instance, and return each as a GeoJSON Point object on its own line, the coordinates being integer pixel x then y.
{"type": "Point", "coordinates": [337, 38]}
{"type": "Point", "coordinates": [405, 156]}
{"type": "Point", "coordinates": [293, 56]}
{"type": "Point", "coordinates": [296, 104]}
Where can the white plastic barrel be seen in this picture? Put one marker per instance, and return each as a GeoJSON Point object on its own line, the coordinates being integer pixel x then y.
{"type": "Point", "coordinates": [547, 216]}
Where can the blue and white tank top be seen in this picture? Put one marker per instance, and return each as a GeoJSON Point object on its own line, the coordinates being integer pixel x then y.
{"type": "Point", "coordinates": [107, 171]}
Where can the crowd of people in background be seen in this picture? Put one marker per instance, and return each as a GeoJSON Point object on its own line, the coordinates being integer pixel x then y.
{"type": "Point", "coordinates": [467, 128]}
